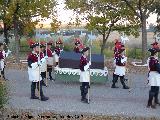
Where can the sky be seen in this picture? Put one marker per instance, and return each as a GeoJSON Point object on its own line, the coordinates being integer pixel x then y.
{"type": "Point", "coordinates": [64, 15]}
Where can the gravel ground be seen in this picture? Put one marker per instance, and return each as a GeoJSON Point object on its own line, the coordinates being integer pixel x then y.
{"type": "Point", "coordinates": [65, 98]}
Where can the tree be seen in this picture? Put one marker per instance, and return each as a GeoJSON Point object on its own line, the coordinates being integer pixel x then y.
{"type": "Point", "coordinates": [20, 13]}
{"type": "Point", "coordinates": [105, 16]}
{"type": "Point", "coordinates": [55, 24]}
{"type": "Point", "coordinates": [155, 9]}
{"type": "Point", "coordinates": [142, 10]}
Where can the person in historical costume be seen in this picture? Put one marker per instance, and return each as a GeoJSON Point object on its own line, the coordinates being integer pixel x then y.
{"type": "Point", "coordinates": [77, 44]}
{"type": "Point", "coordinates": [120, 67]}
{"type": "Point", "coordinates": [43, 67]}
{"type": "Point", "coordinates": [3, 55]}
{"type": "Point", "coordinates": [50, 61]}
{"type": "Point", "coordinates": [58, 50]}
{"type": "Point", "coordinates": [34, 71]}
{"type": "Point", "coordinates": [84, 74]}
{"type": "Point", "coordinates": [153, 77]}
{"type": "Point", "coordinates": [155, 45]}
{"type": "Point", "coordinates": [117, 46]}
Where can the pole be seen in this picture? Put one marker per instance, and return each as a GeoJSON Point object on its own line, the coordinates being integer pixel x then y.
{"type": "Point", "coordinates": [46, 65]}
{"type": "Point", "coordinates": [39, 69]}
{"type": "Point", "coordinates": [90, 52]}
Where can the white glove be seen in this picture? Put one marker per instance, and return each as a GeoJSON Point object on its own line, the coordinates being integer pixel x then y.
{"type": "Point", "coordinates": [45, 57]}
{"type": "Point", "coordinates": [39, 63]}
{"type": "Point", "coordinates": [124, 60]}
{"type": "Point", "coordinates": [8, 52]}
{"type": "Point", "coordinates": [89, 62]}
{"type": "Point", "coordinates": [43, 60]}
{"type": "Point", "coordinates": [34, 65]}
{"type": "Point", "coordinates": [53, 53]}
{"type": "Point", "coordinates": [86, 67]}
{"type": "Point", "coordinates": [61, 50]}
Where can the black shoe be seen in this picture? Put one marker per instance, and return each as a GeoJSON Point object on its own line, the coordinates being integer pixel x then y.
{"type": "Point", "coordinates": [51, 79]}
{"type": "Point", "coordinates": [85, 100]}
{"type": "Point", "coordinates": [157, 103]}
{"type": "Point", "coordinates": [113, 86]}
{"type": "Point", "coordinates": [152, 106]}
{"type": "Point", "coordinates": [44, 98]}
{"type": "Point", "coordinates": [125, 79]}
{"type": "Point", "coordinates": [34, 97]}
{"type": "Point", "coordinates": [44, 84]}
{"type": "Point", "coordinates": [125, 87]}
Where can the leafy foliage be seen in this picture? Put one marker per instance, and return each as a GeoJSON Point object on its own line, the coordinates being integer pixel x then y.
{"type": "Point", "coordinates": [106, 16]}
{"type": "Point", "coordinates": [3, 95]}
{"type": "Point", "coordinates": [55, 25]}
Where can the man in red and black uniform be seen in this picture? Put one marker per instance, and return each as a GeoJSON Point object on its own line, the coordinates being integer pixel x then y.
{"type": "Point", "coordinates": [84, 75]}
{"type": "Point", "coordinates": [3, 55]}
{"type": "Point", "coordinates": [153, 77]}
{"type": "Point", "coordinates": [77, 44]}
{"type": "Point", "coordinates": [120, 63]}
{"type": "Point", "coordinates": [58, 50]}
{"type": "Point", "coordinates": [34, 71]}
{"type": "Point", "coordinates": [155, 45]}
{"type": "Point", "coordinates": [50, 63]}
{"type": "Point", "coordinates": [43, 68]}
{"type": "Point", "coordinates": [117, 46]}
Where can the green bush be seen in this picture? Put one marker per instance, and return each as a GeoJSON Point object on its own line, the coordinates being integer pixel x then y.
{"type": "Point", "coordinates": [108, 53]}
{"type": "Point", "coordinates": [68, 47]}
{"type": "Point", "coordinates": [135, 53]}
{"type": "Point", "coordinates": [3, 95]}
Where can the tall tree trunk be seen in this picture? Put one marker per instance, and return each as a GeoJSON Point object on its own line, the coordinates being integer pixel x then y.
{"type": "Point", "coordinates": [144, 41]}
{"type": "Point", "coordinates": [6, 40]}
{"type": "Point", "coordinates": [103, 44]}
{"type": "Point", "coordinates": [16, 40]}
{"type": "Point", "coordinates": [105, 38]}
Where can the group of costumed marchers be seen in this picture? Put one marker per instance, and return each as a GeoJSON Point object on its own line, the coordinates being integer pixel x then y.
{"type": "Point", "coordinates": [39, 61]}
{"type": "Point", "coordinates": [43, 59]}
{"type": "Point", "coordinates": [37, 68]}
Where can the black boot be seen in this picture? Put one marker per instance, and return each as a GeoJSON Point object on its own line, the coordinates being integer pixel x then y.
{"type": "Point", "coordinates": [33, 87]}
{"type": "Point", "coordinates": [43, 98]}
{"type": "Point", "coordinates": [43, 83]}
{"type": "Point", "coordinates": [50, 76]}
{"type": "Point", "coordinates": [85, 100]}
{"type": "Point", "coordinates": [123, 83]}
{"type": "Point", "coordinates": [151, 95]}
{"type": "Point", "coordinates": [156, 96]}
{"type": "Point", "coordinates": [82, 93]}
{"type": "Point", "coordinates": [43, 75]}
{"type": "Point", "coordinates": [2, 74]}
{"type": "Point", "coordinates": [115, 78]}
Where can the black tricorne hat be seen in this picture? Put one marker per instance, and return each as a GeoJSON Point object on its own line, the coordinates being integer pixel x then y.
{"type": "Point", "coordinates": [84, 49]}
{"type": "Point", "coordinates": [153, 51]}
{"type": "Point", "coordinates": [34, 45]}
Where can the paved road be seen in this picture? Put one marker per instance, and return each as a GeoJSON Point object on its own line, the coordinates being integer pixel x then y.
{"type": "Point", "coordinates": [65, 98]}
